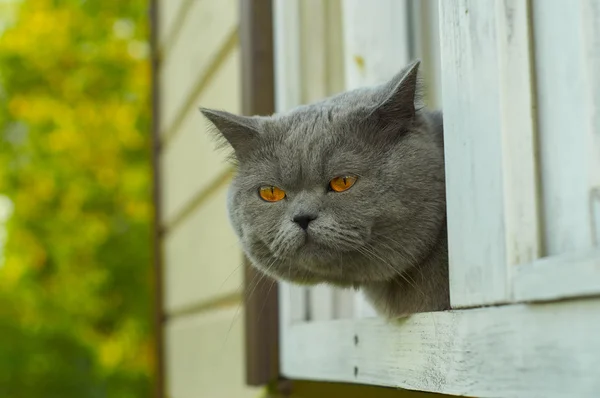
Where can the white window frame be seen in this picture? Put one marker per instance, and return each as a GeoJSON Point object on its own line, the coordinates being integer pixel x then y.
{"type": "Point", "coordinates": [523, 184]}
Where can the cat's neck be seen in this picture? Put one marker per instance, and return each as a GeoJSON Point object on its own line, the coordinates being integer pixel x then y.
{"type": "Point", "coordinates": [421, 288]}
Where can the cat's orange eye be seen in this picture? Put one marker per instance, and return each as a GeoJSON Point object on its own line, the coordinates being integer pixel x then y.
{"type": "Point", "coordinates": [271, 193]}
{"type": "Point", "coordinates": [342, 183]}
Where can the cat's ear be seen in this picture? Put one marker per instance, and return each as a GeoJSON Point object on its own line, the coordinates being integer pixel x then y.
{"type": "Point", "coordinates": [400, 94]}
{"type": "Point", "coordinates": [238, 131]}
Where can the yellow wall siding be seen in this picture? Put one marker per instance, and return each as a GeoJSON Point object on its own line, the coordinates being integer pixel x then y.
{"type": "Point", "coordinates": [202, 258]}
{"type": "Point", "coordinates": [202, 273]}
{"type": "Point", "coordinates": [189, 163]}
{"type": "Point", "coordinates": [209, 25]}
{"type": "Point", "coordinates": [205, 356]}
{"type": "Point", "coordinates": [169, 11]}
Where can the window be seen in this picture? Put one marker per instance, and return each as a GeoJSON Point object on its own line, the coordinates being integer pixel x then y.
{"type": "Point", "coordinates": [520, 84]}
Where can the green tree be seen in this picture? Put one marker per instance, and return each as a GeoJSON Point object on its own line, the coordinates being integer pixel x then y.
{"type": "Point", "coordinates": [75, 285]}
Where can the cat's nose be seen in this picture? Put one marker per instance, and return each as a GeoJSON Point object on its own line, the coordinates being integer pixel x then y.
{"type": "Point", "coordinates": [303, 220]}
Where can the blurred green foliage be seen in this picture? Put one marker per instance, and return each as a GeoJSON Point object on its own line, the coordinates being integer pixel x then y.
{"type": "Point", "coordinates": [76, 282]}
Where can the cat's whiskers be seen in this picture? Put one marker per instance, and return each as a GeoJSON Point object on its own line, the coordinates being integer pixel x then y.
{"type": "Point", "coordinates": [412, 259]}
{"type": "Point", "coordinates": [396, 252]}
{"type": "Point", "coordinates": [370, 249]}
{"type": "Point", "coordinates": [256, 280]}
{"type": "Point", "coordinates": [350, 238]}
{"type": "Point", "coordinates": [400, 255]}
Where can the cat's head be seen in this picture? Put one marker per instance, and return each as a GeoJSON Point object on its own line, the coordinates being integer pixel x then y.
{"type": "Point", "coordinates": [345, 191]}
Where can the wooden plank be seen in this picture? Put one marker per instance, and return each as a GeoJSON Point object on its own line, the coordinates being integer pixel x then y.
{"type": "Point", "coordinates": [169, 13]}
{"type": "Point", "coordinates": [472, 130]}
{"type": "Point", "coordinates": [313, 50]}
{"type": "Point", "coordinates": [201, 256]}
{"type": "Point", "coordinates": [519, 152]}
{"type": "Point", "coordinates": [321, 49]}
{"type": "Point", "coordinates": [563, 115]}
{"type": "Point", "coordinates": [558, 277]}
{"type": "Point", "coordinates": [286, 24]}
{"type": "Point", "coordinates": [312, 389]}
{"type": "Point", "coordinates": [362, 307]}
{"type": "Point", "coordinates": [591, 41]}
{"type": "Point", "coordinates": [540, 350]}
{"type": "Point", "coordinates": [205, 356]}
{"type": "Point", "coordinates": [189, 164]}
{"type": "Point", "coordinates": [208, 26]}
{"type": "Point", "coordinates": [425, 38]}
{"type": "Point", "coordinates": [488, 122]}
{"type": "Point", "coordinates": [376, 40]}
{"type": "Point", "coordinates": [321, 306]}
{"type": "Point", "coordinates": [261, 301]}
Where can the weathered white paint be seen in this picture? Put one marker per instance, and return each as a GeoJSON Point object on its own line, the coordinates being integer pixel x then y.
{"type": "Point", "coordinates": [376, 40]}
{"type": "Point", "coordinates": [425, 38]}
{"type": "Point", "coordinates": [523, 236]}
{"type": "Point", "coordinates": [541, 350]}
{"type": "Point", "coordinates": [564, 124]}
{"type": "Point", "coordinates": [558, 277]}
{"type": "Point", "coordinates": [591, 42]}
{"type": "Point", "coordinates": [473, 143]}
{"type": "Point", "coordinates": [489, 144]}
{"type": "Point", "coordinates": [286, 36]}
{"type": "Point", "coordinates": [321, 303]}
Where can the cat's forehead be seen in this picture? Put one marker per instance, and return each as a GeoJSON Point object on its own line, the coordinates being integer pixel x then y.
{"type": "Point", "coordinates": [313, 142]}
{"type": "Point", "coordinates": [306, 148]}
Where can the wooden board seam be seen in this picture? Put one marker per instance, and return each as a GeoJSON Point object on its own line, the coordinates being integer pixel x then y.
{"type": "Point", "coordinates": [203, 80]}
{"type": "Point", "coordinates": [215, 303]}
{"type": "Point", "coordinates": [176, 25]}
{"type": "Point", "coordinates": [218, 182]}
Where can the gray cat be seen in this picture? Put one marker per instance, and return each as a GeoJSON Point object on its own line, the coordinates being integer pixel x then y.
{"type": "Point", "coordinates": [349, 191]}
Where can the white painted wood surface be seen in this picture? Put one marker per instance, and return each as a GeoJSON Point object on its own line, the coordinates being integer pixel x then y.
{"type": "Point", "coordinates": [558, 277]}
{"type": "Point", "coordinates": [591, 42]}
{"type": "Point", "coordinates": [564, 124]}
{"type": "Point", "coordinates": [425, 44]}
{"type": "Point", "coordinates": [491, 91]}
{"type": "Point", "coordinates": [376, 40]}
{"type": "Point", "coordinates": [489, 144]}
{"type": "Point", "coordinates": [523, 236]}
{"type": "Point", "coordinates": [542, 350]}
{"type": "Point", "coordinates": [287, 51]}
{"type": "Point", "coordinates": [321, 303]}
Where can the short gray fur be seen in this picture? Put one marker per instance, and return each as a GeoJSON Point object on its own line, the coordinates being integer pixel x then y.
{"type": "Point", "coordinates": [386, 234]}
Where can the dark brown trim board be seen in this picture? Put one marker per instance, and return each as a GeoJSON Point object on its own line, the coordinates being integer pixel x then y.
{"type": "Point", "coordinates": [158, 281]}
{"type": "Point", "coordinates": [258, 98]}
